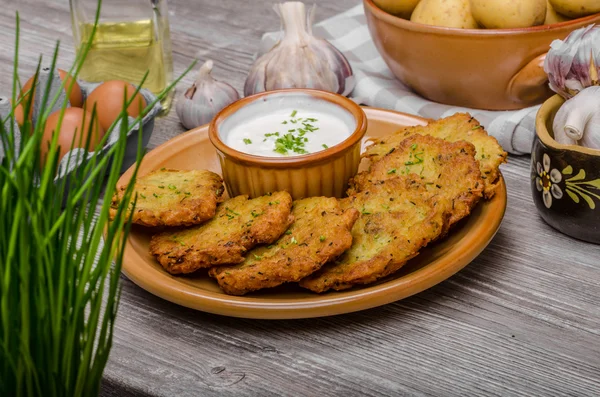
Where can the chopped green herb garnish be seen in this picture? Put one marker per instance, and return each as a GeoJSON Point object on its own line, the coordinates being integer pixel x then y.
{"type": "Point", "coordinates": [476, 127]}
{"type": "Point", "coordinates": [257, 257]}
{"type": "Point", "coordinates": [177, 240]}
{"type": "Point", "coordinates": [232, 211]}
{"type": "Point", "coordinates": [365, 212]}
{"type": "Point", "coordinates": [392, 171]}
{"type": "Point", "coordinates": [161, 187]}
{"type": "Point", "coordinates": [321, 238]}
{"type": "Point", "coordinates": [142, 195]}
{"type": "Point", "coordinates": [285, 122]}
{"type": "Point", "coordinates": [172, 187]}
{"type": "Point", "coordinates": [155, 195]}
{"type": "Point", "coordinates": [288, 232]}
{"type": "Point", "coordinates": [325, 146]}
{"type": "Point", "coordinates": [255, 214]}
{"type": "Point", "coordinates": [293, 240]}
{"type": "Point", "coordinates": [413, 146]}
{"type": "Point", "coordinates": [294, 113]}
{"type": "Point", "coordinates": [247, 141]}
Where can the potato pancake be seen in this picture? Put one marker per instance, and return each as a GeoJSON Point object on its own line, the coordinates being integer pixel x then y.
{"type": "Point", "coordinates": [239, 224]}
{"type": "Point", "coordinates": [174, 197]}
{"type": "Point", "coordinates": [459, 127]}
{"type": "Point", "coordinates": [445, 168]}
{"type": "Point", "coordinates": [398, 218]}
{"type": "Point", "coordinates": [319, 234]}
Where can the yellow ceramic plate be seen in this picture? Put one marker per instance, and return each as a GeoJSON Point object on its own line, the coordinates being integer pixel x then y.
{"type": "Point", "coordinates": [436, 263]}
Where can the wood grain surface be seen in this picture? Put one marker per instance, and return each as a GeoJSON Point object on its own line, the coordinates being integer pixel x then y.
{"type": "Point", "coordinates": [523, 319]}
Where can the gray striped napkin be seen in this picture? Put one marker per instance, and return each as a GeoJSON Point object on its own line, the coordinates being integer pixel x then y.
{"type": "Point", "coordinates": [376, 85]}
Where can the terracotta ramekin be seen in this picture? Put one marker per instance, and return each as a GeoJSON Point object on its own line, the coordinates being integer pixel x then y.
{"type": "Point", "coordinates": [323, 173]}
{"type": "Point", "coordinates": [565, 180]}
{"type": "Point", "coordinates": [496, 69]}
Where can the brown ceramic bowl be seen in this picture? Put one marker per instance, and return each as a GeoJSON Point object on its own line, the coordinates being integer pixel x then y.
{"type": "Point", "coordinates": [565, 180]}
{"type": "Point", "coordinates": [323, 173]}
{"type": "Point", "coordinates": [496, 69]}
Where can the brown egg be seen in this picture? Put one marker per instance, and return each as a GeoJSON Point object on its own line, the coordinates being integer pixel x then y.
{"type": "Point", "coordinates": [73, 132]}
{"type": "Point", "coordinates": [109, 97]}
{"type": "Point", "coordinates": [19, 115]}
{"type": "Point", "coordinates": [75, 96]}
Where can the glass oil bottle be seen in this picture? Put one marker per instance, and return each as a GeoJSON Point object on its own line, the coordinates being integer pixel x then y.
{"type": "Point", "coordinates": [132, 38]}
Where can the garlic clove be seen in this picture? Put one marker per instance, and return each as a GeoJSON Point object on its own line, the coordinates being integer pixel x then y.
{"type": "Point", "coordinates": [204, 99]}
{"type": "Point", "coordinates": [577, 122]}
{"type": "Point", "coordinates": [574, 63]}
{"type": "Point", "coordinates": [300, 60]}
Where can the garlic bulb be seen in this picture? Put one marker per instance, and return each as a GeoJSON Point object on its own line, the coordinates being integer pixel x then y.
{"type": "Point", "coordinates": [204, 99]}
{"type": "Point", "coordinates": [574, 64]}
{"type": "Point", "coordinates": [577, 122]}
{"type": "Point", "coordinates": [300, 60]}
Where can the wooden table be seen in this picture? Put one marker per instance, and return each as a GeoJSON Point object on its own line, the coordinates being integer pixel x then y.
{"type": "Point", "coordinates": [522, 319]}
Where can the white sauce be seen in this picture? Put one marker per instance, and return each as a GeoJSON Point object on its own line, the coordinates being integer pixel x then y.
{"type": "Point", "coordinates": [328, 129]}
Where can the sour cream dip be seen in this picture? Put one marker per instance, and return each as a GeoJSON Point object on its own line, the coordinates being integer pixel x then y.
{"type": "Point", "coordinates": [290, 126]}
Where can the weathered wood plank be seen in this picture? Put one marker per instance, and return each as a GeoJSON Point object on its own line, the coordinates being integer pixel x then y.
{"type": "Point", "coordinates": [523, 319]}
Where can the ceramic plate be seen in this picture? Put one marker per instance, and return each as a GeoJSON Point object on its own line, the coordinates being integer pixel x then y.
{"type": "Point", "coordinates": [436, 263]}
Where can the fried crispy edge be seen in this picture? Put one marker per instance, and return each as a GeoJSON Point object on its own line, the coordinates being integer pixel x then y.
{"type": "Point", "coordinates": [472, 127]}
{"type": "Point", "coordinates": [218, 255]}
{"type": "Point", "coordinates": [204, 208]}
{"type": "Point", "coordinates": [469, 198]}
{"type": "Point", "coordinates": [239, 282]}
{"type": "Point", "coordinates": [324, 280]}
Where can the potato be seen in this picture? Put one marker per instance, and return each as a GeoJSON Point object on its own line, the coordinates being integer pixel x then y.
{"type": "Point", "coordinates": [576, 8]}
{"type": "Point", "coordinates": [400, 8]}
{"type": "Point", "coordinates": [503, 14]}
{"type": "Point", "coordinates": [552, 16]}
{"type": "Point", "coordinates": [448, 13]}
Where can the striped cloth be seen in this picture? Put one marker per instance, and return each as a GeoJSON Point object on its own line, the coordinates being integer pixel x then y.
{"type": "Point", "coordinates": [376, 85]}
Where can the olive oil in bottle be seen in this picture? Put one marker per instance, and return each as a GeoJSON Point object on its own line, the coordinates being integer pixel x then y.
{"type": "Point", "coordinates": [125, 51]}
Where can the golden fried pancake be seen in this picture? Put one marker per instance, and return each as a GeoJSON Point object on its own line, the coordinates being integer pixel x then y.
{"type": "Point", "coordinates": [398, 217]}
{"type": "Point", "coordinates": [238, 225]}
{"type": "Point", "coordinates": [445, 168]}
{"type": "Point", "coordinates": [174, 198]}
{"type": "Point", "coordinates": [319, 234]}
{"type": "Point", "coordinates": [460, 126]}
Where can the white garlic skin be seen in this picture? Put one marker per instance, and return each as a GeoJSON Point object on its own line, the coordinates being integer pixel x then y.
{"type": "Point", "coordinates": [577, 122]}
{"type": "Point", "coordinates": [300, 60]}
{"type": "Point", "coordinates": [204, 99]}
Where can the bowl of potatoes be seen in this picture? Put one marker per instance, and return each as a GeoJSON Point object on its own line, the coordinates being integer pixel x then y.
{"type": "Point", "coordinates": [483, 54]}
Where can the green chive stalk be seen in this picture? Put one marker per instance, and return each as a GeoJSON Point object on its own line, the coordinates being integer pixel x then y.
{"type": "Point", "coordinates": [60, 256]}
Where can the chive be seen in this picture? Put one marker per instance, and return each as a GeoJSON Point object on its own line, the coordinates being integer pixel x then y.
{"type": "Point", "coordinates": [325, 146]}
{"type": "Point", "coordinates": [172, 187]}
{"type": "Point", "coordinates": [60, 254]}
{"type": "Point", "coordinates": [321, 238]}
{"type": "Point", "coordinates": [392, 171]}
{"type": "Point", "coordinates": [177, 240]}
{"type": "Point", "coordinates": [288, 232]}
{"type": "Point", "coordinates": [365, 212]}
{"type": "Point", "coordinates": [413, 146]}
{"type": "Point", "coordinates": [247, 141]}
{"type": "Point", "coordinates": [155, 195]}
{"type": "Point", "coordinates": [293, 240]}
{"type": "Point", "coordinates": [142, 195]}
{"type": "Point", "coordinates": [257, 257]}
{"type": "Point", "coordinates": [293, 113]}
{"type": "Point", "coordinates": [231, 211]}
{"type": "Point", "coordinates": [161, 186]}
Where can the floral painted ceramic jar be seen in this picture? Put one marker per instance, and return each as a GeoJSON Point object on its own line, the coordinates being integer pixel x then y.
{"type": "Point", "coordinates": [565, 180]}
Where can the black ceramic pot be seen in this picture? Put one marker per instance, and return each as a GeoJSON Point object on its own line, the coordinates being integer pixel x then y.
{"type": "Point", "coordinates": [565, 180]}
